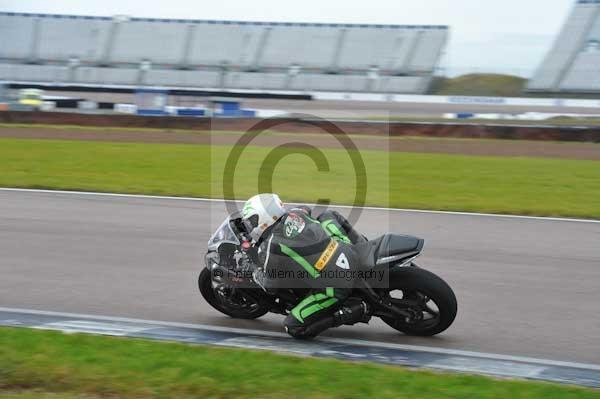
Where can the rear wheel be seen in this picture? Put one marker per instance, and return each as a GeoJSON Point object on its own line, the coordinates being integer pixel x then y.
{"type": "Point", "coordinates": [433, 302]}
{"type": "Point", "coordinates": [237, 303]}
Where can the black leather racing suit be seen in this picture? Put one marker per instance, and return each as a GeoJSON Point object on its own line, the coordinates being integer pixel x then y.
{"type": "Point", "coordinates": [299, 251]}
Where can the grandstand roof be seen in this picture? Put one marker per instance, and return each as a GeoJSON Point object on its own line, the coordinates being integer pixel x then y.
{"type": "Point", "coordinates": [226, 22]}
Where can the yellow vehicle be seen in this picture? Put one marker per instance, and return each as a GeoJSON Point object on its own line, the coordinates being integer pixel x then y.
{"type": "Point", "coordinates": [31, 97]}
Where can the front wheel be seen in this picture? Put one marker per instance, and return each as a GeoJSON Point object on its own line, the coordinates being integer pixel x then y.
{"type": "Point", "coordinates": [434, 303]}
{"type": "Point", "coordinates": [237, 304]}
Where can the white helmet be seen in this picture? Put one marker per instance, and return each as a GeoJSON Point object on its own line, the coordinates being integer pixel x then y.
{"type": "Point", "coordinates": [260, 212]}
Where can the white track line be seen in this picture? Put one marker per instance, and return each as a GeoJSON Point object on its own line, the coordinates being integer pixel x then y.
{"type": "Point", "coordinates": [343, 341]}
{"type": "Point", "coordinates": [374, 208]}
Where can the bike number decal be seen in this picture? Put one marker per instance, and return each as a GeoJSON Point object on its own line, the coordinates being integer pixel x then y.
{"type": "Point", "coordinates": [342, 262]}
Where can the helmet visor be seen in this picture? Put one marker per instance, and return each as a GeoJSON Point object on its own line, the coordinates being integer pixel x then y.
{"type": "Point", "coordinates": [250, 223]}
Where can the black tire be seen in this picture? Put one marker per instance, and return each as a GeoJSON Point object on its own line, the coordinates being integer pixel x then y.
{"type": "Point", "coordinates": [206, 289]}
{"type": "Point", "coordinates": [416, 280]}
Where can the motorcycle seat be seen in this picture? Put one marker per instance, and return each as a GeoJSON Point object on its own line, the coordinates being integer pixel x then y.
{"type": "Point", "coordinates": [388, 248]}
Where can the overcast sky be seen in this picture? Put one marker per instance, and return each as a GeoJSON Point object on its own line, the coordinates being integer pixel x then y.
{"type": "Point", "coordinates": [486, 35]}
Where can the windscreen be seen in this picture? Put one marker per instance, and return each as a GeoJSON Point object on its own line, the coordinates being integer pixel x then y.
{"type": "Point", "coordinates": [224, 234]}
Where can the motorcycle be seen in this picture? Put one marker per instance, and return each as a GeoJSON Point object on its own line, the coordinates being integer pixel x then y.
{"type": "Point", "coordinates": [414, 302]}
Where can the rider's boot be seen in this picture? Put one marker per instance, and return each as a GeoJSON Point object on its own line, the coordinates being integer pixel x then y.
{"type": "Point", "coordinates": [353, 311]}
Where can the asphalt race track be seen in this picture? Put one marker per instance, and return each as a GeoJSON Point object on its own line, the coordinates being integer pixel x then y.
{"type": "Point", "coordinates": [526, 287]}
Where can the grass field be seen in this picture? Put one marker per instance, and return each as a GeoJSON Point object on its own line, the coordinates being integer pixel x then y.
{"type": "Point", "coordinates": [46, 364]}
{"type": "Point", "coordinates": [531, 186]}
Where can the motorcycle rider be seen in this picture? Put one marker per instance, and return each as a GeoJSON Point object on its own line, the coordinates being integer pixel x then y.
{"type": "Point", "coordinates": [320, 254]}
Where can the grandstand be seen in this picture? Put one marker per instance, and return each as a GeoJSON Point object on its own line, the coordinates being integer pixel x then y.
{"type": "Point", "coordinates": [573, 63]}
{"type": "Point", "coordinates": [219, 54]}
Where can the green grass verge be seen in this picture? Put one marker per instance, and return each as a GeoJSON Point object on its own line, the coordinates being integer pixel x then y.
{"type": "Point", "coordinates": [40, 394]}
{"type": "Point", "coordinates": [63, 366]}
{"type": "Point", "coordinates": [531, 186]}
